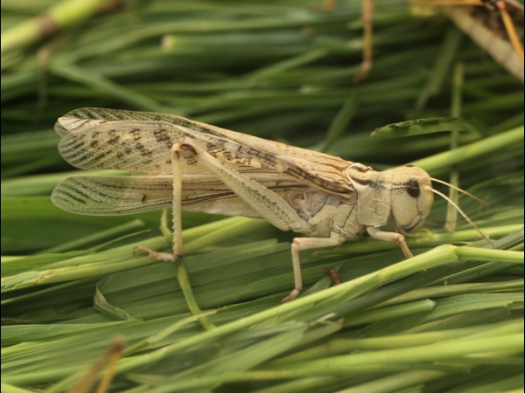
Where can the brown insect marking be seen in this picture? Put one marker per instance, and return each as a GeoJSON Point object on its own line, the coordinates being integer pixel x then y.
{"type": "Point", "coordinates": [127, 150]}
{"type": "Point", "coordinates": [144, 198]}
{"type": "Point", "coordinates": [227, 155]}
{"type": "Point", "coordinates": [191, 161]}
{"type": "Point", "coordinates": [251, 152]}
{"type": "Point", "coordinates": [83, 158]}
{"type": "Point", "coordinates": [114, 137]}
{"type": "Point", "coordinates": [143, 151]}
{"type": "Point", "coordinates": [161, 135]}
{"type": "Point", "coordinates": [135, 133]}
{"type": "Point", "coordinates": [114, 140]}
{"type": "Point", "coordinates": [213, 149]}
{"type": "Point", "coordinates": [78, 146]}
{"type": "Point", "coordinates": [93, 144]}
{"type": "Point", "coordinates": [120, 156]}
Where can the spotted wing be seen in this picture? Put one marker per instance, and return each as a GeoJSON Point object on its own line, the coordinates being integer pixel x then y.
{"type": "Point", "coordinates": [140, 141]}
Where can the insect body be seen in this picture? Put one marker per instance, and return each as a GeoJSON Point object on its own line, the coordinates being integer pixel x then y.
{"type": "Point", "coordinates": [193, 166]}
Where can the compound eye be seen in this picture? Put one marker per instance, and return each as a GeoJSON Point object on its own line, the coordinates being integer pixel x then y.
{"type": "Point", "coordinates": [412, 187]}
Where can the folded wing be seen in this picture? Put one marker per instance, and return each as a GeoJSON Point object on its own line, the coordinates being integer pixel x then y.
{"type": "Point", "coordinates": [96, 138]}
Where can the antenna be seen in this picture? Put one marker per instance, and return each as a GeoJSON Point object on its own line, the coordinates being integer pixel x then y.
{"type": "Point", "coordinates": [459, 209]}
{"type": "Point", "coordinates": [460, 190]}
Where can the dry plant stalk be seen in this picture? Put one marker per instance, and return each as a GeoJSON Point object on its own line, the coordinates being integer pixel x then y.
{"type": "Point", "coordinates": [495, 25]}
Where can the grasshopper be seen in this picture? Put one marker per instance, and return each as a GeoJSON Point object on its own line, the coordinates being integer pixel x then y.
{"type": "Point", "coordinates": [198, 167]}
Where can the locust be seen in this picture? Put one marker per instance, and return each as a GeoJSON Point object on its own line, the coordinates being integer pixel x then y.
{"type": "Point", "coordinates": [187, 165]}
